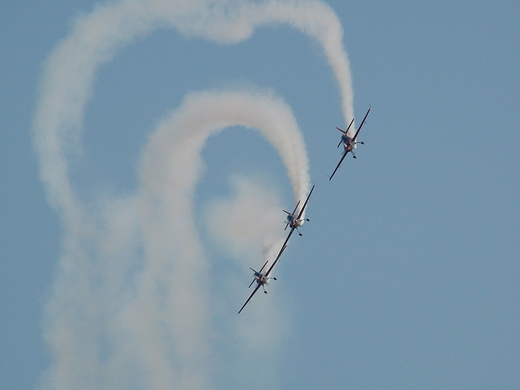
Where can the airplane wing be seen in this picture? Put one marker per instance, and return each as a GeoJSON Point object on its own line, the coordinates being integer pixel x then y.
{"type": "Point", "coordinates": [362, 122]}
{"type": "Point", "coordinates": [340, 161]}
{"type": "Point", "coordinates": [251, 296]}
{"type": "Point", "coordinates": [306, 201]}
{"type": "Point", "coordinates": [279, 254]}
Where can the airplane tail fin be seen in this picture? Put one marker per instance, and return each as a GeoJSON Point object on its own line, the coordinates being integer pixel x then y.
{"type": "Point", "coordinates": [348, 128]}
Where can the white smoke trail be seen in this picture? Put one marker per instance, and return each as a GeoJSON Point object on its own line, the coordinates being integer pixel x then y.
{"type": "Point", "coordinates": [112, 321]}
{"type": "Point", "coordinates": [234, 21]}
{"type": "Point", "coordinates": [135, 322]}
{"type": "Point", "coordinates": [171, 165]}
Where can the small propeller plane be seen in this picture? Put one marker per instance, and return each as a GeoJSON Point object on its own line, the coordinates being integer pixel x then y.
{"type": "Point", "coordinates": [349, 143]}
{"type": "Point", "coordinates": [295, 221]}
{"type": "Point", "coordinates": [262, 279]}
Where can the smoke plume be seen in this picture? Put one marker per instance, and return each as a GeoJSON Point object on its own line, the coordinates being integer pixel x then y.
{"type": "Point", "coordinates": [131, 305]}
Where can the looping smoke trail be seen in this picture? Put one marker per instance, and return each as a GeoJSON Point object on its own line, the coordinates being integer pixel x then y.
{"type": "Point", "coordinates": [165, 312]}
{"type": "Point", "coordinates": [112, 321]}
{"type": "Point", "coordinates": [171, 165]}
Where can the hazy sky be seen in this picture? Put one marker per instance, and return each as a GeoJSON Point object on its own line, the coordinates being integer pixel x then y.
{"type": "Point", "coordinates": [407, 275]}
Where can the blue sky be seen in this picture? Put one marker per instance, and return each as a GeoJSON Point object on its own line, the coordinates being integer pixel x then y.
{"type": "Point", "coordinates": [407, 275]}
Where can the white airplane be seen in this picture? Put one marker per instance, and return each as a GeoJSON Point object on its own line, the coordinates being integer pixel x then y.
{"type": "Point", "coordinates": [349, 144]}
{"type": "Point", "coordinates": [295, 221]}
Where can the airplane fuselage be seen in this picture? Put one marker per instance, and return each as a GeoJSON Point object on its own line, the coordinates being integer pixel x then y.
{"type": "Point", "coordinates": [294, 222]}
{"type": "Point", "coordinates": [261, 279]}
{"type": "Point", "coordinates": [348, 144]}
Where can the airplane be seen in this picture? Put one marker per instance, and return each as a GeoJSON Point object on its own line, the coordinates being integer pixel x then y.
{"type": "Point", "coordinates": [294, 221]}
{"type": "Point", "coordinates": [349, 143]}
{"type": "Point", "coordinates": [262, 279]}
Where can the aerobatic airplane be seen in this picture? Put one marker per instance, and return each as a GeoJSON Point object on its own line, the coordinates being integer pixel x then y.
{"type": "Point", "coordinates": [349, 143]}
{"type": "Point", "coordinates": [295, 221]}
{"type": "Point", "coordinates": [262, 279]}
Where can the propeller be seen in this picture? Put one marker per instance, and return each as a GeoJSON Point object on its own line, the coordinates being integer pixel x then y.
{"type": "Point", "coordinates": [255, 273]}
